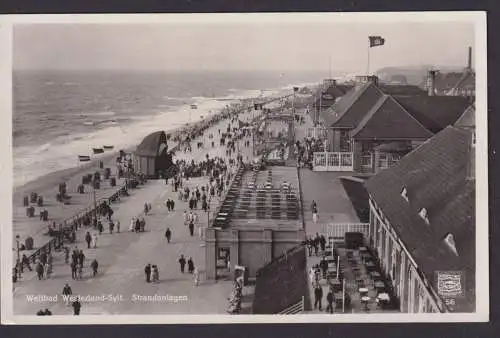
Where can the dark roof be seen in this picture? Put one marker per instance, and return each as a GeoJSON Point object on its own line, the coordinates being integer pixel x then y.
{"type": "Point", "coordinates": [353, 106]}
{"type": "Point", "coordinates": [387, 120]}
{"type": "Point", "coordinates": [327, 97]}
{"type": "Point", "coordinates": [281, 283]}
{"type": "Point", "coordinates": [150, 145]}
{"type": "Point", "coordinates": [393, 89]}
{"type": "Point", "coordinates": [444, 82]}
{"type": "Point", "coordinates": [435, 176]}
{"type": "Point", "coordinates": [434, 112]}
{"type": "Point", "coordinates": [467, 81]}
{"type": "Point", "coordinates": [468, 118]}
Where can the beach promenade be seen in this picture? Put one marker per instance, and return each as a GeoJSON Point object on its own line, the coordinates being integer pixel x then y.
{"type": "Point", "coordinates": [123, 256]}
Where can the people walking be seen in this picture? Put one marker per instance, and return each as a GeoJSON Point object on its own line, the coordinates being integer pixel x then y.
{"type": "Point", "coordinates": [94, 266]}
{"type": "Point", "coordinates": [88, 239]}
{"type": "Point", "coordinates": [76, 306]}
{"type": "Point", "coordinates": [147, 271]}
{"type": "Point", "coordinates": [196, 276]}
{"type": "Point", "coordinates": [155, 274]}
{"type": "Point", "coordinates": [168, 234]}
{"type": "Point", "coordinates": [67, 292]}
{"type": "Point", "coordinates": [118, 226]}
{"type": "Point", "coordinates": [94, 241]}
{"type": "Point", "coordinates": [330, 298]}
{"type": "Point", "coordinates": [73, 269]}
{"type": "Point", "coordinates": [39, 270]}
{"type": "Point", "coordinates": [191, 228]}
{"type": "Point", "coordinates": [190, 265]}
{"type": "Point", "coordinates": [80, 271]}
{"type": "Point", "coordinates": [182, 263]}
{"type": "Point", "coordinates": [100, 227]}
{"type": "Point", "coordinates": [318, 295]}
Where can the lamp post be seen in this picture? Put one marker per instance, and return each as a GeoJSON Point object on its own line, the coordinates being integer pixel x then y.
{"type": "Point", "coordinates": [18, 256]}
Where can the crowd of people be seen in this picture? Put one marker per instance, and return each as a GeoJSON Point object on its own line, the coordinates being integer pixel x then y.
{"type": "Point", "coordinates": [218, 171]}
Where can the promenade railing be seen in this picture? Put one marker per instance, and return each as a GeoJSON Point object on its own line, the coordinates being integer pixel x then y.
{"type": "Point", "coordinates": [294, 309]}
{"type": "Point", "coordinates": [72, 223]}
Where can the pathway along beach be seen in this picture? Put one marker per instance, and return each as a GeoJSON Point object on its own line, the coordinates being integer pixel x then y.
{"type": "Point", "coordinates": [123, 256]}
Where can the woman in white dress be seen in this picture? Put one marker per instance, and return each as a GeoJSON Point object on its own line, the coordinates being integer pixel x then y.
{"type": "Point", "coordinates": [94, 241]}
{"type": "Point", "coordinates": [131, 227]}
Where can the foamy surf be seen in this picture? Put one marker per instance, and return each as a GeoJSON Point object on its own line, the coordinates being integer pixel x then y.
{"type": "Point", "coordinates": [62, 153]}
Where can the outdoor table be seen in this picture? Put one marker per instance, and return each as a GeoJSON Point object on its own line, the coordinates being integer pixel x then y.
{"type": "Point", "coordinates": [383, 299]}
{"type": "Point", "coordinates": [365, 300]}
{"type": "Point", "coordinates": [363, 291]}
{"type": "Point", "coordinates": [384, 296]}
{"type": "Point", "coordinates": [223, 213]}
{"type": "Point", "coordinates": [375, 275]}
{"type": "Point", "coordinates": [363, 249]}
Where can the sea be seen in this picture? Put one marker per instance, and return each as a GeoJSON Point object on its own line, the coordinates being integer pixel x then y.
{"type": "Point", "coordinates": [58, 115]}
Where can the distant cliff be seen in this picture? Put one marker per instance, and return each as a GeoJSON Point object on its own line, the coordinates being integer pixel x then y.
{"type": "Point", "coordinates": [414, 75]}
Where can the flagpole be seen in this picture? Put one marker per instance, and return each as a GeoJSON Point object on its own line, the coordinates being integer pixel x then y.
{"type": "Point", "coordinates": [329, 67]}
{"type": "Point", "coordinates": [368, 62]}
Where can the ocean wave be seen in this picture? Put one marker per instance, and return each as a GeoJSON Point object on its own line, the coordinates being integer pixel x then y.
{"type": "Point", "coordinates": [60, 153]}
{"type": "Point", "coordinates": [99, 113]}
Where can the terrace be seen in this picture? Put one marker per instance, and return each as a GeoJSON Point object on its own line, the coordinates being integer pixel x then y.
{"type": "Point", "coordinates": [263, 199]}
{"type": "Point", "coordinates": [354, 274]}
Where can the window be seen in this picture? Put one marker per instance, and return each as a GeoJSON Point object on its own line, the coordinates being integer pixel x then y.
{"type": "Point", "coordinates": [450, 242]}
{"type": "Point", "coordinates": [345, 141]}
{"type": "Point", "coordinates": [404, 194]}
{"type": "Point", "coordinates": [423, 214]}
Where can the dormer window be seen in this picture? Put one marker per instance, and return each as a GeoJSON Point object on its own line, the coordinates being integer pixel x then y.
{"type": "Point", "coordinates": [450, 242]}
{"type": "Point", "coordinates": [423, 214]}
{"type": "Point", "coordinates": [404, 194]}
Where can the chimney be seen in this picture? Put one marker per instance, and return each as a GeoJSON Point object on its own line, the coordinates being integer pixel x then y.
{"type": "Point", "coordinates": [328, 83]}
{"type": "Point", "coordinates": [431, 82]}
{"type": "Point", "coordinates": [372, 79]}
{"type": "Point", "coordinates": [469, 60]}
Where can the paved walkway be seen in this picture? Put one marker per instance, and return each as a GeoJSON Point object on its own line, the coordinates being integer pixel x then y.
{"type": "Point", "coordinates": [332, 201]}
{"type": "Point", "coordinates": [123, 256]}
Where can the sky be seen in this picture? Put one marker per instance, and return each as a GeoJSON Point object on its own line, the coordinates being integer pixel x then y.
{"type": "Point", "coordinates": [248, 46]}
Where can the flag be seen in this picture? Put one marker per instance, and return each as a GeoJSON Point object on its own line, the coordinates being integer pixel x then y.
{"type": "Point", "coordinates": [83, 158]}
{"type": "Point", "coordinates": [98, 150]}
{"type": "Point", "coordinates": [376, 41]}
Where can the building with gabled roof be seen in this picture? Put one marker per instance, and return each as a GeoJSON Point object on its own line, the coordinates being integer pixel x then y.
{"type": "Point", "coordinates": [452, 83]}
{"type": "Point", "coordinates": [367, 117]}
{"type": "Point", "coordinates": [422, 222]}
{"type": "Point", "coordinates": [327, 94]}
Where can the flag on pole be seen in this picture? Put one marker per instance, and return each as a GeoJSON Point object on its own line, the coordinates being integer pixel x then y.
{"type": "Point", "coordinates": [83, 158]}
{"type": "Point", "coordinates": [376, 41]}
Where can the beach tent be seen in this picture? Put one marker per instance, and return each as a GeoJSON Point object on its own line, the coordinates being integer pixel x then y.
{"type": "Point", "coordinates": [152, 156]}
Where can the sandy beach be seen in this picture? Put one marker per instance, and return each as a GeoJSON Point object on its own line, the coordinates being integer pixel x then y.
{"type": "Point", "coordinates": [47, 186]}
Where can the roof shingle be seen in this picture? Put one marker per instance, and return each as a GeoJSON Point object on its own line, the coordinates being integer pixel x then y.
{"type": "Point", "coordinates": [434, 112]}
{"type": "Point", "coordinates": [281, 283]}
{"type": "Point", "coordinates": [387, 120]}
{"type": "Point", "coordinates": [435, 177]}
{"type": "Point", "coordinates": [353, 106]}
